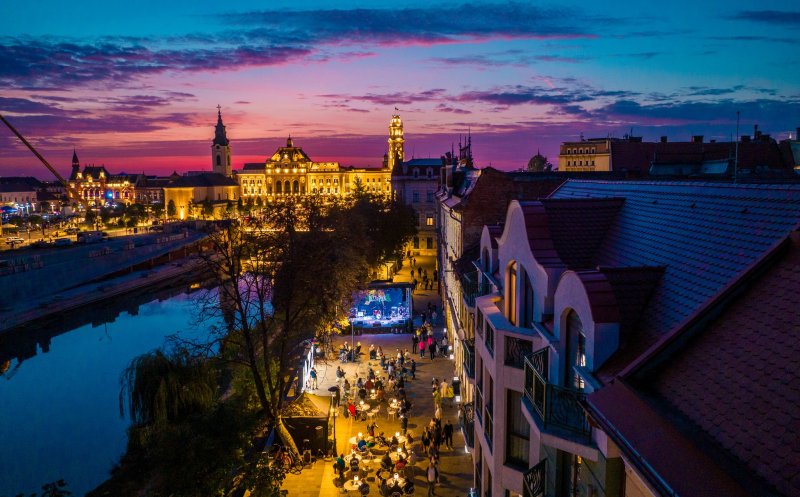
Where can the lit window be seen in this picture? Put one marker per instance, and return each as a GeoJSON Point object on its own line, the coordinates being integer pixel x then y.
{"type": "Point", "coordinates": [429, 221]}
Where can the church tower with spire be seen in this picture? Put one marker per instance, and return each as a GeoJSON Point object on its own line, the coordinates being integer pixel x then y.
{"type": "Point", "coordinates": [395, 141]}
{"type": "Point", "coordinates": [76, 165]}
{"type": "Point", "coordinates": [221, 148]}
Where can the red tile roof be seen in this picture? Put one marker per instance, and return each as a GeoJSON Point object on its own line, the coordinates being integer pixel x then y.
{"type": "Point", "coordinates": [669, 459]}
{"type": "Point", "coordinates": [601, 296]}
{"type": "Point", "coordinates": [737, 381]}
{"type": "Point", "coordinates": [703, 235]}
{"type": "Point", "coordinates": [568, 232]}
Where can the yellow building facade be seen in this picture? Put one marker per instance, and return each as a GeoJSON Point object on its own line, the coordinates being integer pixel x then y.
{"type": "Point", "coordinates": [585, 155]}
{"type": "Point", "coordinates": [291, 172]}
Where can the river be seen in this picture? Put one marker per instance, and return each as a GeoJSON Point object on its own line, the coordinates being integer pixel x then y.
{"type": "Point", "coordinates": [59, 398]}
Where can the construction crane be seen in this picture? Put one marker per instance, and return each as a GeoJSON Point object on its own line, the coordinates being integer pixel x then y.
{"type": "Point", "coordinates": [72, 192]}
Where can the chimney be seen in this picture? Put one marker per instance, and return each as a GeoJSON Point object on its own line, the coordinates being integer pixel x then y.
{"type": "Point", "coordinates": [663, 139]}
{"type": "Point", "coordinates": [697, 138]}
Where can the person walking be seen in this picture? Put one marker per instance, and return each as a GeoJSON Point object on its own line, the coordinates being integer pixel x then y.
{"type": "Point", "coordinates": [431, 475]}
{"type": "Point", "coordinates": [413, 369]}
{"type": "Point", "coordinates": [431, 348]}
{"type": "Point", "coordinates": [421, 349]}
{"type": "Point", "coordinates": [448, 435]}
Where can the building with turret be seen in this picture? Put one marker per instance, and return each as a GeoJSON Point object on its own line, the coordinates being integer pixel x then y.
{"type": "Point", "coordinates": [289, 171]}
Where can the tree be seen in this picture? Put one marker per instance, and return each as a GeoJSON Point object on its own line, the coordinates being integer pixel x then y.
{"type": "Point", "coordinates": [44, 206]}
{"type": "Point", "coordinates": [90, 218]}
{"type": "Point", "coordinates": [171, 210]}
{"type": "Point", "coordinates": [160, 388]}
{"type": "Point", "coordinates": [278, 285]}
{"type": "Point", "coordinates": [35, 219]}
{"type": "Point", "coordinates": [208, 209]}
{"type": "Point", "coordinates": [158, 210]}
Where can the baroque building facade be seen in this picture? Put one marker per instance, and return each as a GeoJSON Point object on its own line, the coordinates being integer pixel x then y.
{"type": "Point", "coordinates": [289, 171]}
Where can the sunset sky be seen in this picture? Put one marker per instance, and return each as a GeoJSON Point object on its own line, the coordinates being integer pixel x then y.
{"type": "Point", "coordinates": [135, 85]}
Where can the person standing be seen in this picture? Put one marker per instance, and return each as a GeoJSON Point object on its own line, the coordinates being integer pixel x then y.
{"type": "Point", "coordinates": [313, 375]}
{"type": "Point", "coordinates": [413, 370]}
{"type": "Point", "coordinates": [431, 475]}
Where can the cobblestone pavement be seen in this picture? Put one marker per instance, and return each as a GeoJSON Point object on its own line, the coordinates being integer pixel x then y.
{"type": "Point", "coordinates": [455, 465]}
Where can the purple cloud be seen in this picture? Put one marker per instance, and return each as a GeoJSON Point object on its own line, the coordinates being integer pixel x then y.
{"type": "Point", "coordinates": [35, 64]}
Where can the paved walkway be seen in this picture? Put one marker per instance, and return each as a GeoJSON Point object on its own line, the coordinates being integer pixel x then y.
{"type": "Point", "coordinates": [455, 465]}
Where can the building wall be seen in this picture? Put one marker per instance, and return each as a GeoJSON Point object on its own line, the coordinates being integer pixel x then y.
{"type": "Point", "coordinates": [328, 181]}
{"type": "Point", "coordinates": [420, 193]}
{"type": "Point", "coordinates": [585, 155]}
{"type": "Point", "coordinates": [556, 292]}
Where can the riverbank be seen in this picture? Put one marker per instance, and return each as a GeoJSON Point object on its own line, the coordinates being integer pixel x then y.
{"type": "Point", "coordinates": [79, 276]}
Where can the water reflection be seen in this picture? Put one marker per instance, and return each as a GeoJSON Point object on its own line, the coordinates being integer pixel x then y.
{"type": "Point", "coordinates": [59, 404]}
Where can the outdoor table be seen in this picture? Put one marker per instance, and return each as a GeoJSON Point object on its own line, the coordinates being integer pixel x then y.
{"type": "Point", "coordinates": [396, 485]}
{"type": "Point", "coordinates": [394, 456]}
{"type": "Point", "coordinates": [349, 457]}
{"type": "Point", "coordinates": [351, 486]}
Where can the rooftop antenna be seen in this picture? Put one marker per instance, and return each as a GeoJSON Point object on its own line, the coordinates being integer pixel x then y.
{"type": "Point", "coordinates": [736, 158]}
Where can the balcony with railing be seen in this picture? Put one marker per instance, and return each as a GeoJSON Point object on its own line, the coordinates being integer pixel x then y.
{"type": "Point", "coordinates": [489, 339]}
{"type": "Point", "coordinates": [479, 403]}
{"type": "Point", "coordinates": [488, 425]}
{"type": "Point", "coordinates": [557, 409]}
{"type": "Point", "coordinates": [473, 286]}
{"type": "Point", "coordinates": [468, 346]}
{"type": "Point", "coordinates": [468, 424]}
{"type": "Point", "coordinates": [533, 480]}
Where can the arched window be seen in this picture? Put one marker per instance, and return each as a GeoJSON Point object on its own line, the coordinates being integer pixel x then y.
{"type": "Point", "coordinates": [416, 172]}
{"type": "Point", "coordinates": [219, 160]}
{"type": "Point", "coordinates": [527, 313]}
{"type": "Point", "coordinates": [576, 350]}
{"type": "Point", "coordinates": [278, 187]}
{"type": "Point", "coordinates": [287, 189]}
{"type": "Point", "coordinates": [296, 187]}
{"type": "Point", "coordinates": [511, 294]}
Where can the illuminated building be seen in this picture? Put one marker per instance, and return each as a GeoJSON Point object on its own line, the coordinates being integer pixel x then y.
{"type": "Point", "coordinates": [98, 187]}
{"type": "Point", "coordinates": [189, 193]}
{"type": "Point", "coordinates": [291, 172]}
{"type": "Point", "coordinates": [395, 154]}
{"type": "Point", "coordinates": [221, 148]}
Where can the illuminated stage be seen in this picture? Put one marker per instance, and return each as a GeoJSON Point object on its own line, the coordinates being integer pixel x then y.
{"type": "Point", "coordinates": [383, 307]}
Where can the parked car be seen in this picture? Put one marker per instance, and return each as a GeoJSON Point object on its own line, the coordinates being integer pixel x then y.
{"type": "Point", "coordinates": [40, 244]}
{"type": "Point", "coordinates": [71, 231]}
{"type": "Point", "coordinates": [14, 239]}
{"type": "Point", "coordinates": [62, 242]}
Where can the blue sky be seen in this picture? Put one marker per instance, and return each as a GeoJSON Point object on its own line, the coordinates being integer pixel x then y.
{"type": "Point", "coordinates": [135, 85]}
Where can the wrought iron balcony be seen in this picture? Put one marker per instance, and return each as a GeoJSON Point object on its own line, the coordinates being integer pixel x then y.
{"type": "Point", "coordinates": [468, 347]}
{"type": "Point", "coordinates": [479, 403]}
{"type": "Point", "coordinates": [555, 406]}
{"type": "Point", "coordinates": [533, 481]}
{"type": "Point", "coordinates": [468, 424]}
{"type": "Point", "coordinates": [474, 286]}
{"type": "Point", "coordinates": [488, 425]}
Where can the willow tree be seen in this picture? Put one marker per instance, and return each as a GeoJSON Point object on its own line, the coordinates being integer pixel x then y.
{"type": "Point", "coordinates": [280, 280]}
{"type": "Point", "coordinates": [159, 389]}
